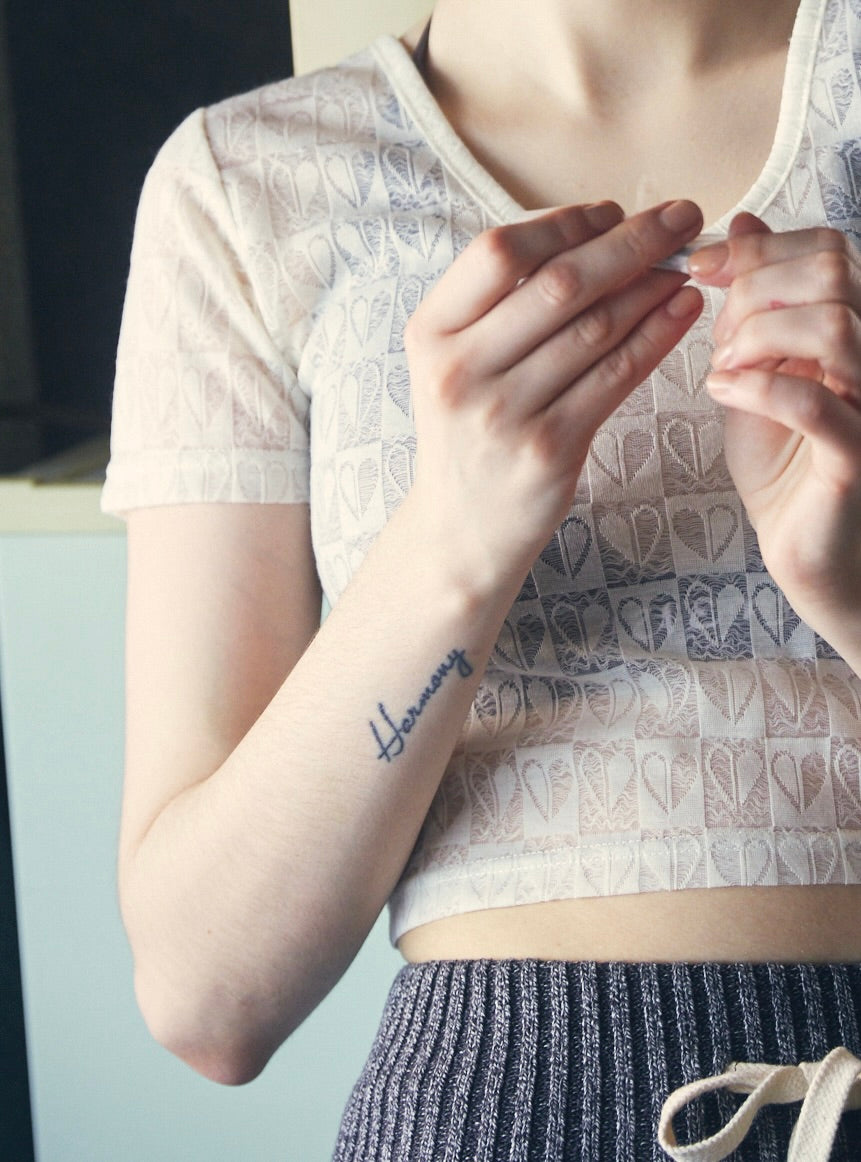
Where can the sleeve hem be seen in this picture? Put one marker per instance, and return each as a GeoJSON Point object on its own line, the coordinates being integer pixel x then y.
{"type": "Point", "coordinates": [149, 479]}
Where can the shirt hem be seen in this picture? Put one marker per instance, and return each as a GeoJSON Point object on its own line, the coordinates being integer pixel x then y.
{"type": "Point", "coordinates": [614, 866]}
{"type": "Point", "coordinates": [149, 479]}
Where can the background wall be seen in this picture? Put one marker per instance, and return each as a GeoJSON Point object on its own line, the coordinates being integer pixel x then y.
{"type": "Point", "coordinates": [96, 87]}
{"type": "Point", "coordinates": [325, 31]}
{"type": "Point", "coordinates": [102, 1090]}
{"type": "Point", "coordinates": [89, 89]}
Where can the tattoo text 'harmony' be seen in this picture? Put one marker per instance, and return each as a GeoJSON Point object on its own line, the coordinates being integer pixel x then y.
{"type": "Point", "coordinates": [390, 733]}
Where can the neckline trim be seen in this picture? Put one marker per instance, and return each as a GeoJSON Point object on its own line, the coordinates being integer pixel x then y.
{"type": "Point", "coordinates": [420, 104]}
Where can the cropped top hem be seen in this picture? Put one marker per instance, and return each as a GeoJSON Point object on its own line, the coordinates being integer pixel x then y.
{"type": "Point", "coordinates": [617, 865]}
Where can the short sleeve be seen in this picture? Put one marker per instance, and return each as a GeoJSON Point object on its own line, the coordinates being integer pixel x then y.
{"type": "Point", "coordinates": [206, 407]}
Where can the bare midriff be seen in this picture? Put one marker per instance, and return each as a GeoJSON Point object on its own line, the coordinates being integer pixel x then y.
{"type": "Point", "coordinates": [789, 924]}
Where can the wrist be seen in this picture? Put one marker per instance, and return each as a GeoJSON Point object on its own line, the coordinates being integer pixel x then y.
{"type": "Point", "coordinates": [482, 577]}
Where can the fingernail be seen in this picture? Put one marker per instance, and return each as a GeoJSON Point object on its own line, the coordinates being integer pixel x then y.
{"type": "Point", "coordinates": [684, 303]}
{"type": "Point", "coordinates": [719, 383]}
{"type": "Point", "coordinates": [709, 260]}
{"type": "Point", "coordinates": [680, 216]}
{"type": "Point", "coordinates": [603, 215]}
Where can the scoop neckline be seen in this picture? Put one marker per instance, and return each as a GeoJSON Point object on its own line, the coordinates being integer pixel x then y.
{"type": "Point", "coordinates": [421, 105]}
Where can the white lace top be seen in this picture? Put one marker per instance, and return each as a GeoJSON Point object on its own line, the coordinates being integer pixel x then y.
{"type": "Point", "coordinates": [654, 716]}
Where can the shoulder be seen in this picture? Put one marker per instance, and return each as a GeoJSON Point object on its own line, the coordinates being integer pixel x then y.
{"type": "Point", "coordinates": [278, 126]}
{"type": "Point", "coordinates": [288, 158]}
{"type": "Point", "coordinates": [338, 108]}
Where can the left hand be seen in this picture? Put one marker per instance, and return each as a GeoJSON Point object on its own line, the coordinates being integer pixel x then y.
{"type": "Point", "coordinates": [788, 368]}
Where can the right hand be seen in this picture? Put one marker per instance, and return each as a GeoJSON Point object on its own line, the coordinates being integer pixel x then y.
{"type": "Point", "coordinates": [533, 337]}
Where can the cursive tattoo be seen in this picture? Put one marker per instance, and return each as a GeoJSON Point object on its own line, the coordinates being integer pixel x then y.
{"type": "Point", "coordinates": [390, 733]}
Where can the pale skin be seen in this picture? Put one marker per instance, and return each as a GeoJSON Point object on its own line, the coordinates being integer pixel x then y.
{"type": "Point", "coordinates": [261, 835]}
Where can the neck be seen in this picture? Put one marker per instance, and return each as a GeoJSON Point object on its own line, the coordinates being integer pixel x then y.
{"type": "Point", "coordinates": [591, 56]}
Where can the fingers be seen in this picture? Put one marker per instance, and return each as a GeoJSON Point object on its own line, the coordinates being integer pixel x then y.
{"type": "Point", "coordinates": [573, 281]}
{"type": "Point", "coordinates": [769, 273]}
{"type": "Point", "coordinates": [561, 314]}
{"type": "Point", "coordinates": [825, 335]}
{"type": "Point", "coordinates": [800, 405]}
{"type": "Point", "coordinates": [493, 263]}
{"type": "Point", "coordinates": [575, 415]}
{"type": "Point", "coordinates": [821, 276]}
{"type": "Point", "coordinates": [540, 273]}
{"type": "Point", "coordinates": [576, 347]}
{"type": "Point", "coordinates": [745, 223]}
{"type": "Point", "coordinates": [794, 300]}
{"type": "Point", "coordinates": [751, 245]}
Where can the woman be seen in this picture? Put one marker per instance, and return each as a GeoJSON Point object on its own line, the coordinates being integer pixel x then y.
{"type": "Point", "coordinates": [566, 692]}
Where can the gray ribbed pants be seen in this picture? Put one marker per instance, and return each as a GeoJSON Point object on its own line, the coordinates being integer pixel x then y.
{"type": "Point", "coordinates": [485, 1061]}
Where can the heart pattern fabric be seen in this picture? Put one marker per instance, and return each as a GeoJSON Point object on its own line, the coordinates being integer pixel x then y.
{"type": "Point", "coordinates": [654, 715]}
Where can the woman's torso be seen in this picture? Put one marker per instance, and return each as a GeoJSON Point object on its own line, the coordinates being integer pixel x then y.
{"type": "Point", "coordinates": [655, 718]}
{"type": "Point", "coordinates": [727, 145]}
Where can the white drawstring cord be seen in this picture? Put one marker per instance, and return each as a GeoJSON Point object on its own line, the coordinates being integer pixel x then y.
{"type": "Point", "coordinates": [826, 1087]}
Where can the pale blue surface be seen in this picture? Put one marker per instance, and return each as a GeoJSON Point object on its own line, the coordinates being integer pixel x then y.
{"type": "Point", "coordinates": [102, 1090]}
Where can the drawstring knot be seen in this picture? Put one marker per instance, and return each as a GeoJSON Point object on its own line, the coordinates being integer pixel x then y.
{"type": "Point", "coordinates": [826, 1088]}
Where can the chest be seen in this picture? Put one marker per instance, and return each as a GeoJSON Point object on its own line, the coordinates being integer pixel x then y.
{"type": "Point", "coordinates": [708, 141]}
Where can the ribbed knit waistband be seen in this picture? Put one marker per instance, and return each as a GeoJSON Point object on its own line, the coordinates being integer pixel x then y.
{"type": "Point", "coordinates": [526, 1060]}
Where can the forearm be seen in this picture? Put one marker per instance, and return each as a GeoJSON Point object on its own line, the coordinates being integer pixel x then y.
{"type": "Point", "coordinates": [251, 891]}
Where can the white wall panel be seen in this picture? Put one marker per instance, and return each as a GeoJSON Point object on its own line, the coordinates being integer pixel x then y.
{"type": "Point", "coordinates": [324, 33]}
{"type": "Point", "coordinates": [102, 1090]}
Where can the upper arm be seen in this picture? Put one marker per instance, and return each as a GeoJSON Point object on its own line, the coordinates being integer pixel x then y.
{"type": "Point", "coordinates": [222, 601]}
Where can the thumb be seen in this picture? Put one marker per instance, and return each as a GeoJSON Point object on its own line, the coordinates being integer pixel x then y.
{"type": "Point", "coordinates": [714, 264]}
